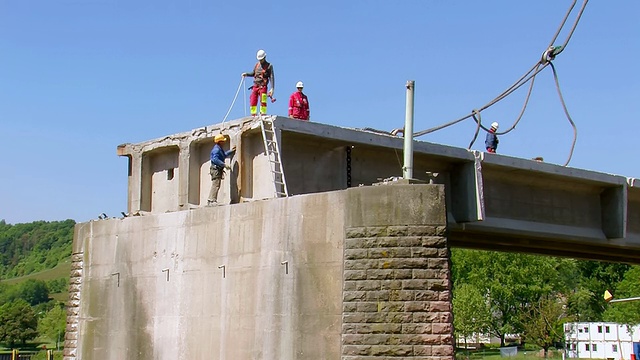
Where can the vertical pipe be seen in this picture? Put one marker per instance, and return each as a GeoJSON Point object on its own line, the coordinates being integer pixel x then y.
{"type": "Point", "coordinates": [407, 169]}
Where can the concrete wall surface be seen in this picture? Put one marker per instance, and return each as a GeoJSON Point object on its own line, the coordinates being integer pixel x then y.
{"type": "Point", "coordinates": [172, 301]}
{"type": "Point", "coordinates": [265, 280]}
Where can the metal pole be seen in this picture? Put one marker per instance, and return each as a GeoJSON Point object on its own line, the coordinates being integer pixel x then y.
{"type": "Point", "coordinates": [627, 299]}
{"type": "Point", "coordinates": [407, 169]}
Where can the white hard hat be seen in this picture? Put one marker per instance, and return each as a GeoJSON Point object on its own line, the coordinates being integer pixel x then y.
{"type": "Point", "coordinates": [261, 54]}
{"type": "Point", "coordinates": [299, 84]}
{"type": "Point", "coordinates": [494, 125]}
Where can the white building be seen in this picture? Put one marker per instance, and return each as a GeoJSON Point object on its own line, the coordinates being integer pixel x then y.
{"type": "Point", "coordinates": [599, 340]}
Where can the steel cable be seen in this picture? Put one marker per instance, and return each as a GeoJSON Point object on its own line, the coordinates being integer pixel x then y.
{"type": "Point", "coordinates": [478, 120]}
{"type": "Point", "coordinates": [528, 76]}
{"type": "Point", "coordinates": [566, 112]}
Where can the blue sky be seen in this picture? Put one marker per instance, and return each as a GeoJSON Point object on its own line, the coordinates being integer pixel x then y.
{"type": "Point", "coordinates": [79, 77]}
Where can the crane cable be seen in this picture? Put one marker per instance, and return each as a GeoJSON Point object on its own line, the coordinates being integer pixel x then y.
{"type": "Point", "coordinates": [547, 56]}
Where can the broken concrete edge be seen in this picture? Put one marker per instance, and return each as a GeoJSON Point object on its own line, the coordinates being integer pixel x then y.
{"type": "Point", "coordinates": [194, 136]}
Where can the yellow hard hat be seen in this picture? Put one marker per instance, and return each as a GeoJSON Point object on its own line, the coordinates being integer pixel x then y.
{"type": "Point", "coordinates": [219, 138]}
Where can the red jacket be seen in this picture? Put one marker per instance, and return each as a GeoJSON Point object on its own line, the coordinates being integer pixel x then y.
{"type": "Point", "coordinates": [299, 106]}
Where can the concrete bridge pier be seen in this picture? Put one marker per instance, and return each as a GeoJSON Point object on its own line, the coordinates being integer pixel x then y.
{"type": "Point", "coordinates": [355, 274]}
{"type": "Point", "coordinates": [396, 283]}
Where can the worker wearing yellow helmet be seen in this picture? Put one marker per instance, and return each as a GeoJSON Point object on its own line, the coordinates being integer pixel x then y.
{"type": "Point", "coordinates": [218, 156]}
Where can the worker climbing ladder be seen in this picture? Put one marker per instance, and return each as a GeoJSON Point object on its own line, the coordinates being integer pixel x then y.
{"type": "Point", "coordinates": [272, 150]}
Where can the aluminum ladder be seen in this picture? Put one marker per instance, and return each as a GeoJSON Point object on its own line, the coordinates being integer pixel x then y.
{"type": "Point", "coordinates": [272, 150]}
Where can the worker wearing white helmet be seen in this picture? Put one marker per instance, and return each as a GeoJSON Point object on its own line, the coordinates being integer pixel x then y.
{"type": "Point", "coordinates": [491, 142]}
{"type": "Point", "coordinates": [299, 104]}
{"type": "Point", "coordinates": [262, 74]}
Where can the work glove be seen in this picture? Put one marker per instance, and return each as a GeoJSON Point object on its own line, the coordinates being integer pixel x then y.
{"type": "Point", "coordinates": [270, 94]}
{"type": "Point", "coordinates": [227, 167]}
{"type": "Point", "coordinates": [244, 74]}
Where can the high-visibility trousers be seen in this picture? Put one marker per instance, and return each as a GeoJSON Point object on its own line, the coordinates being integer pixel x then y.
{"type": "Point", "coordinates": [258, 92]}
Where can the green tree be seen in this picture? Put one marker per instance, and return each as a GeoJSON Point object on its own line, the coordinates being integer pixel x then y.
{"type": "Point", "coordinates": [53, 324]}
{"type": "Point", "coordinates": [31, 247]}
{"type": "Point", "coordinates": [585, 302]}
{"type": "Point", "coordinates": [511, 282]}
{"type": "Point", "coordinates": [34, 292]}
{"type": "Point", "coordinates": [626, 312]}
{"type": "Point", "coordinates": [543, 323]}
{"type": "Point", "coordinates": [471, 310]}
{"type": "Point", "coordinates": [18, 323]}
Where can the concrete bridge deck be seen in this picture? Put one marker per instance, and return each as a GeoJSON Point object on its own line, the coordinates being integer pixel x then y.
{"type": "Point", "coordinates": [494, 201]}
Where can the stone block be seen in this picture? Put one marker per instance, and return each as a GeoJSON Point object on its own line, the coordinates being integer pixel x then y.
{"type": "Point", "coordinates": [349, 285]}
{"type": "Point", "coordinates": [374, 274]}
{"type": "Point", "coordinates": [427, 295]}
{"type": "Point", "coordinates": [434, 242]}
{"type": "Point", "coordinates": [400, 230]}
{"type": "Point", "coordinates": [350, 328]}
{"type": "Point", "coordinates": [360, 243]}
{"type": "Point", "coordinates": [439, 263]}
{"type": "Point", "coordinates": [378, 295]}
{"type": "Point", "coordinates": [410, 263]}
{"type": "Point", "coordinates": [442, 350]}
{"type": "Point", "coordinates": [353, 339]}
{"type": "Point", "coordinates": [413, 328]}
{"type": "Point", "coordinates": [356, 350]}
{"type": "Point", "coordinates": [424, 317]}
{"type": "Point", "coordinates": [391, 350]}
{"type": "Point", "coordinates": [367, 285]}
{"type": "Point", "coordinates": [422, 350]}
{"type": "Point", "coordinates": [406, 241]}
{"type": "Point", "coordinates": [416, 306]}
{"type": "Point", "coordinates": [439, 306]}
{"type": "Point", "coordinates": [440, 328]}
{"type": "Point", "coordinates": [391, 285]}
{"type": "Point", "coordinates": [348, 296]}
{"type": "Point", "coordinates": [355, 232]}
{"type": "Point", "coordinates": [415, 284]}
{"type": "Point", "coordinates": [424, 252]}
{"type": "Point", "coordinates": [380, 328]}
{"type": "Point", "coordinates": [354, 254]}
{"type": "Point", "coordinates": [424, 274]}
{"type": "Point", "coordinates": [367, 307]}
{"type": "Point", "coordinates": [444, 296]}
{"type": "Point", "coordinates": [401, 295]}
{"type": "Point", "coordinates": [348, 307]}
{"type": "Point", "coordinates": [355, 274]}
{"type": "Point", "coordinates": [360, 264]}
{"type": "Point", "coordinates": [353, 318]}
{"type": "Point", "coordinates": [76, 273]}
{"type": "Point", "coordinates": [418, 230]}
{"type": "Point", "coordinates": [392, 306]}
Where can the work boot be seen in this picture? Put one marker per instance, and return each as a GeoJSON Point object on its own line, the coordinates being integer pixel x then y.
{"type": "Point", "coordinates": [212, 203]}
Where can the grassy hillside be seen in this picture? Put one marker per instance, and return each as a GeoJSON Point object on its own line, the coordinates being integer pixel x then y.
{"type": "Point", "coordinates": [36, 251]}
{"type": "Point", "coordinates": [61, 270]}
{"type": "Point", "coordinates": [34, 247]}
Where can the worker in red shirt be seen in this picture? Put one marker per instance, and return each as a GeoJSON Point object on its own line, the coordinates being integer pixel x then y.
{"type": "Point", "coordinates": [262, 73]}
{"type": "Point", "coordinates": [299, 104]}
